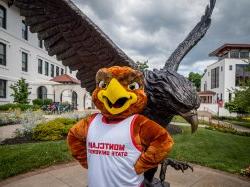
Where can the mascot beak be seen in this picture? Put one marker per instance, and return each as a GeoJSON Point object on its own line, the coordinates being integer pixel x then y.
{"type": "Point", "coordinates": [116, 98]}
{"type": "Point", "coordinates": [192, 118]}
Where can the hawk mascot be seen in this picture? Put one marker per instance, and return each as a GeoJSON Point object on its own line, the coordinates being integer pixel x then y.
{"type": "Point", "coordinates": [123, 144]}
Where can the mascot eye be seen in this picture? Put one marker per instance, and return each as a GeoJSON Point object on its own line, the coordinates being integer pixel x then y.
{"type": "Point", "coordinates": [102, 84]}
{"type": "Point", "coordinates": [134, 86]}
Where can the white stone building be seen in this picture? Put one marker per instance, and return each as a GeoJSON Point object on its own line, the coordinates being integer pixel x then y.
{"type": "Point", "coordinates": [222, 77]}
{"type": "Point", "coordinates": [23, 55]}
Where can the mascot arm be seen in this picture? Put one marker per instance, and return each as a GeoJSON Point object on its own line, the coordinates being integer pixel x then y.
{"type": "Point", "coordinates": [77, 140]}
{"type": "Point", "coordinates": [155, 141]}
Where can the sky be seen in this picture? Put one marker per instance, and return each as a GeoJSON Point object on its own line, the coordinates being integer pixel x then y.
{"type": "Point", "coordinates": [152, 29]}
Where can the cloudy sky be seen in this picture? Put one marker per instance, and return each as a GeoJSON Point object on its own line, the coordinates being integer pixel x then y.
{"type": "Point", "coordinates": [152, 29]}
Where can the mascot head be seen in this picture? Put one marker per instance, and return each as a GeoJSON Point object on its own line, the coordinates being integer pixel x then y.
{"type": "Point", "coordinates": [119, 92]}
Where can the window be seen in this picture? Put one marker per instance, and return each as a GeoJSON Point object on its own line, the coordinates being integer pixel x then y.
{"type": "Point", "coordinates": [205, 86]}
{"type": "Point", "coordinates": [225, 55]}
{"type": "Point", "coordinates": [57, 71]}
{"type": "Point", "coordinates": [62, 71]}
{"type": "Point", "coordinates": [24, 30]}
{"type": "Point", "coordinates": [221, 68]}
{"type": "Point", "coordinates": [24, 61]}
{"type": "Point", "coordinates": [40, 43]}
{"type": "Point", "coordinates": [242, 75]}
{"type": "Point", "coordinates": [52, 70]}
{"type": "Point", "coordinates": [244, 54]}
{"type": "Point", "coordinates": [215, 78]}
{"type": "Point", "coordinates": [234, 54]}
{"type": "Point", "coordinates": [2, 17]}
{"type": "Point", "coordinates": [40, 66]}
{"type": "Point", "coordinates": [2, 54]}
{"type": "Point", "coordinates": [230, 67]}
{"type": "Point", "coordinates": [2, 88]}
{"type": "Point", "coordinates": [47, 68]}
{"type": "Point", "coordinates": [42, 92]}
{"type": "Point", "coordinates": [230, 96]}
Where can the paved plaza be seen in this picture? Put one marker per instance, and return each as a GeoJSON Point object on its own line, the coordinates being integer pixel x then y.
{"type": "Point", "coordinates": [73, 175]}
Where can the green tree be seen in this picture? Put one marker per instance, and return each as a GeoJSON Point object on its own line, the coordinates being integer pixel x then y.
{"type": "Point", "coordinates": [142, 65]}
{"type": "Point", "coordinates": [20, 91]}
{"type": "Point", "coordinates": [196, 79]}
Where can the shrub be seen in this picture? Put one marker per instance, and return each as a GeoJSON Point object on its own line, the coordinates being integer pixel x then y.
{"type": "Point", "coordinates": [238, 118]}
{"type": "Point", "coordinates": [41, 102]}
{"type": "Point", "coordinates": [9, 118]}
{"type": "Point", "coordinates": [22, 107]}
{"type": "Point", "coordinates": [56, 129]}
{"type": "Point", "coordinates": [245, 172]}
{"type": "Point", "coordinates": [227, 129]}
{"type": "Point", "coordinates": [38, 102]}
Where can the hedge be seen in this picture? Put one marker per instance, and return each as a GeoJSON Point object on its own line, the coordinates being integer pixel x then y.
{"type": "Point", "coordinates": [41, 102]}
{"type": "Point", "coordinates": [22, 107]}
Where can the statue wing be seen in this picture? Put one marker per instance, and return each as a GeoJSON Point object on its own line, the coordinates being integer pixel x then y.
{"type": "Point", "coordinates": [191, 40]}
{"type": "Point", "coordinates": [72, 37]}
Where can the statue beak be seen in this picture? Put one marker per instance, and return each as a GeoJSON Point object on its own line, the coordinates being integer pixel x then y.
{"type": "Point", "coordinates": [192, 118]}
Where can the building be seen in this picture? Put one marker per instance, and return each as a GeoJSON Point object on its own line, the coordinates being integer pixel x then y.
{"type": "Point", "coordinates": [221, 78]}
{"type": "Point", "coordinates": [22, 54]}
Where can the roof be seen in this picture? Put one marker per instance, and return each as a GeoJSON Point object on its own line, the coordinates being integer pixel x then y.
{"type": "Point", "coordinates": [65, 79]}
{"type": "Point", "coordinates": [228, 46]}
{"type": "Point", "coordinates": [208, 92]}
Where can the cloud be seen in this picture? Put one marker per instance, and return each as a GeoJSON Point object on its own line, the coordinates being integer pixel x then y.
{"type": "Point", "coordinates": [151, 30]}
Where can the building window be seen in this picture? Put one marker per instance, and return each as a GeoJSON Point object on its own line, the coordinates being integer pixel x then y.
{"type": "Point", "coordinates": [225, 55]}
{"type": "Point", "coordinates": [242, 75]}
{"type": "Point", "coordinates": [230, 96]}
{"type": "Point", "coordinates": [42, 92]}
{"type": "Point", "coordinates": [205, 86]}
{"type": "Point", "coordinates": [2, 54]}
{"type": "Point", "coordinates": [40, 43]}
{"type": "Point", "coordinates": [52, 70]}
{"type": "Point", "coordinates": [57, 71]}
{"type": "Point", "coordinates": [2, 88]}
{"type": "Point", "coordinates": [2, 17]}
{"type": "Point", "coordinates": [24, 30]}
{"type": "Point", "coordinates": [47, 68]}
{"type": "Point", "coordinates": [62, 71]}
{"type": "Point", "coordinates": [221, 68]}
{"type": "Point", "coordinates": [40, 66]}
{"type": "Point", "coordinates": [230, 67]}
{"type": "Point", "coordinates": [215, 78]}
{"type": "Point", "coordinates": [234, 54]}
{"type": "Point", "coordinates": [24, 61]}
{"type": "Point", "coordinates": [244, 54]}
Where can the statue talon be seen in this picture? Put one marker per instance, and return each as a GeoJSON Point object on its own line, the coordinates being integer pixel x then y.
{"type": "Point", "coordinates": [177, 165]}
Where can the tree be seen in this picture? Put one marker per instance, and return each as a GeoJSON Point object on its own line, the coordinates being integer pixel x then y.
{"type": "Point", "coordinates": [241, 102]}
{"type": "Point", "coordinates": [196, 79]}
{"type": "Point", "coordinates": [20, 91]}
{"type": "Point", "coordinates": [142, 65]}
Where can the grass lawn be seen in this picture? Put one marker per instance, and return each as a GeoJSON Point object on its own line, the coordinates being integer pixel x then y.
{"type": "Point", "coordinates": [21, 158]}
{"type": "Point", "coordinates": [180, 119]}
{"type": "Point", "coordinates": [213, 149]}
{"type": "Point", "coordinates": [208, 148]}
